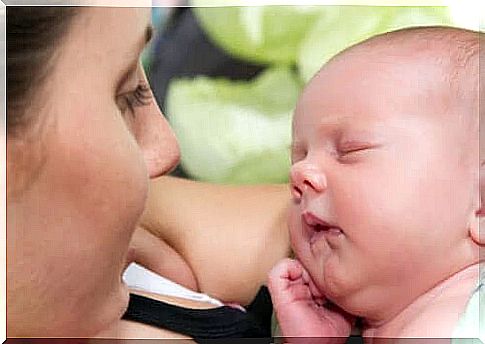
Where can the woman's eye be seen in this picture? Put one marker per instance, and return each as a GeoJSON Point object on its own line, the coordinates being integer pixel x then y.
{"type": "Point", "coordinates": [140, 96]}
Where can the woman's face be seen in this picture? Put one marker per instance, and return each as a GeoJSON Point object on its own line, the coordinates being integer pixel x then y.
{"type": "Point", "coordinates": [101, 135]}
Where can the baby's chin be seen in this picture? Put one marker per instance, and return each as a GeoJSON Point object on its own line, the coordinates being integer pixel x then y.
{"type": "Point", "coordinates": [333, 280]}
{"type": "Point", "coordinates": [324, 266]}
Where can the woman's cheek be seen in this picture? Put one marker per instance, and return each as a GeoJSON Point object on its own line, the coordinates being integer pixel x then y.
{"type": "Point", "coordinates": [134, 192]}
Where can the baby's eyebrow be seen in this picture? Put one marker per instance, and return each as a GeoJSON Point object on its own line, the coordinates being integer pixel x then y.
{"type": "Point", "coordinates": [331, 126]}
{"type": "Point", "coordinates": [330, 120]}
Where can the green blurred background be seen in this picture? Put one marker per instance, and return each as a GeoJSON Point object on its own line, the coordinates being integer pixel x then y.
{"type": "Point", "coordinates": [239, 131]}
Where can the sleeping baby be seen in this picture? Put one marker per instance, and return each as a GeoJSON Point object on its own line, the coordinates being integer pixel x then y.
{"type": "Point", "coordinates": [385, 182]}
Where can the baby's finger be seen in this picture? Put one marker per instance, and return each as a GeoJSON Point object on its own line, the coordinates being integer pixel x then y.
{"type": "Point", "coordinates": [307, 279]}
{"type": "Point", "coordinates": [278, 278]}
{"type": "Point", "coordinates": [295, 270]}
{"type": "Point", "coordinates": [340, 320]}
{"type": "Point", "coordinates": [349, 318]}
{"type": "Point", "coordinates": [287, 269]}
{"type": "Point", "coordinates": [283, 282]}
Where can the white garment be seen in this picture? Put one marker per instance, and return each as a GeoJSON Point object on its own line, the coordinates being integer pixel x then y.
{"type": "Point", "coordinates": [471, 327]}
{"type": "Point", "coordinates": [138, 277]}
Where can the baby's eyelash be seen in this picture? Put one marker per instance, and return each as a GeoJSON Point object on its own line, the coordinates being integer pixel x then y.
{"type": "Point", "coordinates": [141, 96]}
{"type": "Point", "coordinates": [352, 146]}
{"type": "Point", "coordinates": [353, 150]}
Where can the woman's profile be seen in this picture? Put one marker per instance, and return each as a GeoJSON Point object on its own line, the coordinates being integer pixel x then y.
{"type": "Point", "coordinates": [84, 137]}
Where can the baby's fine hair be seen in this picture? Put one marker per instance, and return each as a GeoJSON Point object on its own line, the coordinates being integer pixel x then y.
{"type": "Point", "coordinates": [456, 50]}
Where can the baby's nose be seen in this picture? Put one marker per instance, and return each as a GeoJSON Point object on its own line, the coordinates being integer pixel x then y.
{"type": "Point", "coordinates": [305, 177]}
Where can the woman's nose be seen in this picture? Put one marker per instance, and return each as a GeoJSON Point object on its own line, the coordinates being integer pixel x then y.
{"type": "Point", "coordinates": [157, 141]}
{"type": "Point", "coordinates": [306, 177]}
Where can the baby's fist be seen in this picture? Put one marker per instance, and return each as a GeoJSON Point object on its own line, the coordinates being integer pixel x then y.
{"type": "Point", "coordinates": [299, 305]}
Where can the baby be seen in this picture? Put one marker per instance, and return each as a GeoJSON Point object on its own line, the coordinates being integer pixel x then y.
{"type": "Point", "coordinates": [384, 221]}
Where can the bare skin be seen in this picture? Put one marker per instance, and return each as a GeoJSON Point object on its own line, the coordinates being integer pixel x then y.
{"type": "Point", "coordinates": [155, 254]}
{"type": "Point", "coordinates": [126, 329]}
{"type": "Point", "coordinates": [75, 221]}
{"type": "Point", "coordinates": [384, 188]}
{"type": "Point", "coordinates": [167, 240]}
{"type": "Point", "coordinates": [69, 228]}
{"type": "Point", "coordinates": [224, 234]}
{"type": "Point", "coordinates": [297, 297]}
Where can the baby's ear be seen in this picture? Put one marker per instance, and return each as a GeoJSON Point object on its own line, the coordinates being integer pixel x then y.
{"type": "Point", "coordinates": [478, 237]}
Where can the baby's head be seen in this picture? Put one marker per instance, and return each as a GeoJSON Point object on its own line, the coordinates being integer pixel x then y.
{"type": "Point", "coordinates": [385, 169]}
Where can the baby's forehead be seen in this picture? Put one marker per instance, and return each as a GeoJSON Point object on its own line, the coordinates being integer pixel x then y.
{"type": "Point", "coordinates": [431, 71]}
{"type": "Point", "coordinates": [357, 89]}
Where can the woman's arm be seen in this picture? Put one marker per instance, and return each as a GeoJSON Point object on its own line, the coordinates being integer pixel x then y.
{"type": "Point", "coordinates": [230, 236]}
{"type": "Point", "coordinates": [156, 255]}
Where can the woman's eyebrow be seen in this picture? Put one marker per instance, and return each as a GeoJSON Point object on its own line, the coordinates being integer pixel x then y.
{"type": "Point", "coordinates": [132, 66]}
{"type": "Point", "coordinates": [148, 34]}
{"type": "Point", "coordinates": [146, 38]}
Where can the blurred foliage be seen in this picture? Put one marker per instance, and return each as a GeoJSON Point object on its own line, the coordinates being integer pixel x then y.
{"type": "Point", "coordinates": [343, 26]}
{"type": "Point", "coordinates": [239, 132]}
{"type": "Point", "coordinates": [234, 131]}
{"type": "Point", "coordinates": [261, 34]}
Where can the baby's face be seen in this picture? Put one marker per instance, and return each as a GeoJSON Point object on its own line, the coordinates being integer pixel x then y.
{"type": "Point", "coordinates": [383, 191]}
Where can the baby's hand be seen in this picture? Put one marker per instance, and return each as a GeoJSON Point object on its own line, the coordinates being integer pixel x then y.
{"type": "Point", "coordinates": [300, 307]}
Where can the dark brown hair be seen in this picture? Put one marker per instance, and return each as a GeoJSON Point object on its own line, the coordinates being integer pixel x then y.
{"type": "Point", "coordinates": [33, 34]}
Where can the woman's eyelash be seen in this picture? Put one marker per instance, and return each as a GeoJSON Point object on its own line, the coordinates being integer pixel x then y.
{"type": "Point", "coordinates": [141, 96]}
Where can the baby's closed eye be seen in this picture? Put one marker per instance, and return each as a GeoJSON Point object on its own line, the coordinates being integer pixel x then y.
{"type": "Point", "coordinates": [351, 150]}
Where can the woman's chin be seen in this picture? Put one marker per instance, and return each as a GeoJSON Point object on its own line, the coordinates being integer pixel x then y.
{"type": "Point", "coordinates": [125, 297]}
{"type": "Point", "coordinates": [117, 307]}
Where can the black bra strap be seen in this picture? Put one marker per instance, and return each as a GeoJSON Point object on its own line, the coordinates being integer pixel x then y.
{"type": "Point", "coordinates": [221, 322]}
